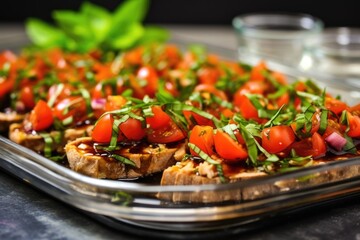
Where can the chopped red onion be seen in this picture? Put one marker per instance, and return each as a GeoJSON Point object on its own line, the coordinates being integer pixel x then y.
{"type": "Point", "coordinates": [98, 103]}
{"type": "Point", "coordinates": [336, 141]}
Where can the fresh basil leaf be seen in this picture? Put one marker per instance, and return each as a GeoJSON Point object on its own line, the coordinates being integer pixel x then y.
{"type": "Point", "coordinates": [43, 34]}
{"type": "Point", "coordinates": [99, 20]}
{"type": "Point", "coordinates": [73, 24]}
{"type": "Point", "coordinates": [323, 121]}
{"type": "Point", "coordinates": [154, 34]}
{"type": "Point", "coordinates": [126, 37]}
{"type": "Point", "coordinates": [129, 12]}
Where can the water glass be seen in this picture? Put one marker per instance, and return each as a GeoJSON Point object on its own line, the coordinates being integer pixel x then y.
{"type": "Point", "coordinates": [287, 38]}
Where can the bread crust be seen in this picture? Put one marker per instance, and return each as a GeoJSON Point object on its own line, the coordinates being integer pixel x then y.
{"type": "Point", "coordinates": [8, 118]}
{"type": "Point", "coordinates": [36, 142]}
{"type": "Point", "coordinates": [185, 174]}
{"type": "Point", "coordinates": [151, 159]}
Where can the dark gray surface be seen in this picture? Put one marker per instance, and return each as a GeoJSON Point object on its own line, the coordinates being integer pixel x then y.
{"type": "Point", "coordinates": [27, 213]}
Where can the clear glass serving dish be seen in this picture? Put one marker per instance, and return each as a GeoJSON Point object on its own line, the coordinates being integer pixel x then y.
{"type": "Point", "coordinates": [145, 205]}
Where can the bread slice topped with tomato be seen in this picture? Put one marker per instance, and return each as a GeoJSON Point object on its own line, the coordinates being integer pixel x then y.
{"type": "Point", "coordinates": [47, 129]}
{"type": "Point", "coordinates": [273, 134]}
{"type": "Point", "coordinates": [136, 139]}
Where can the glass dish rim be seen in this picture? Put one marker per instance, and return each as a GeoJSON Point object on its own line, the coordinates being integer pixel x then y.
{"type": "Point", "coordinates": [127, 185]}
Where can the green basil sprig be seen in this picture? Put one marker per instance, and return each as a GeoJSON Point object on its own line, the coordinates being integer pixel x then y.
{"type": "Point", "coordinates": [94, 27]}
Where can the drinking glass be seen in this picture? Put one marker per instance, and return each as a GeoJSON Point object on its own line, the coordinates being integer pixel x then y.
{"type": "Point", "coordinates": [288, 38]}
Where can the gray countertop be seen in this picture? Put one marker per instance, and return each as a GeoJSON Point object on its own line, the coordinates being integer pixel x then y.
{"type": "Point", "coordinates": [27, 213]}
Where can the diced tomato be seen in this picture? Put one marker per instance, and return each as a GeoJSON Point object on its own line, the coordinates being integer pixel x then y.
{"type": "Point", "coordinates": [283, 100]}
{"type": "Point", "coordinates": [149, 75]}
{"type": "Point", "coordinates": [114, 103]}
{"type": "Point", "coordinates": [66, 91]}
{"type": "Point", "coordinates": [210, 88]}
{"type": "Point", "coordinates": [188, 60]}
{"type": "Point", "coordinates": [7, 56]}
{"type": "Point", "coordinates": [202, 137]}
{"type": "Point", "coordinates": [41, 116]}
{"type": "Point", "coordinates": [277, 138]}
{"type": "Point", "coordinates": [243, 103]}
{"type": "Point", "coordinates": [212, 59]}
{"type": "Point", "coordinates": [235, 67]}
{"type": "Point", "coordinates": [355, 110]}
{"type": "Point", "coordinates": [314, 146]}
{"type": "Point", "coordinates": [335, 105]}
{"type": "Point", "coordinates": [228, 113]}
{"type": "Point", "coordinates": [134, 56]}
{"type": "Point", "coordinates": [132, 129]}
{"type": "Point", "coordinates": [102, 90]}
{"type": "Point", "coordinates": [172, 55]}
{"type": "Point", "coordinates": [170, 87]}
{"type": "Point", "coordinates": [103, 71]}
{"type": "Point", "coordinates": [208, 75]}
{"type": "Point", "coordinates": [318, 144]}
{"type": "Point", "coordinates": [160, 118]}
{"type": "Point", "coordinates": [257, 72]}
{"type": "Point", "coordinates": [253, 87]}
{"type": "Point", "coordinates": [138, 91]}
{"type": "Point", "coordinates": [354, 125]}
{"type": "Point", "coordinates": [74, 107]}
{"type": "Point", "coordinates": [102, 131]}
{"type": "Point", "coordinates": [228, 148]}
{"type": "Point", "coordinates": [167, 134]}
{"type": "Point", "coordinates": [56, 57]}
{"type": "Point", "coordinates": [26, 96]}
{"type": "Point", "coordinates": [245, 106]}
{"type": "Point", "coordinates": [199, 120]}
{"type": "Point", "coordinates": [279, 77]}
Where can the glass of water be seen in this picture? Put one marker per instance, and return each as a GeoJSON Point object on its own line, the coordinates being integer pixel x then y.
{"type": "Point", "coordinates": [339, 52]}
{"type": "Point", "coordinates": [287, 38]}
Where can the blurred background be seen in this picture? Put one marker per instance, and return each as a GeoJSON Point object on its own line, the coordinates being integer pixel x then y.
{"type": "Point", "coordinates": [197, 12]}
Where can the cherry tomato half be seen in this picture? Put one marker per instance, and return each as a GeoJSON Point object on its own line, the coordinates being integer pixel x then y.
{"type": "Point", "coordinates": [26, 96]}
{"type": "Point", "coordinates": [103, 129]}
{"type": "Point", "coordinates": [149, 75]}
{"type": "Point", "coordinates": [167, 134]}
{"type": "Point", "coordinates": [314, 146]}
{"type": "Point", "coordinates": [132, 129]}
{"type": "Point", "coordinates": [228, 148]}
{"type": "Point", "coordinates": [354, 125]}
{"type": "Point", "coordinates": [41, 116]}
{"type": "Point", "coordinates": [160, 118]}
{"type": "Point", "coordinates": [277, 138]}
{"type": "Point", "coordinates": [74, 107]}
{"type": "Point", "coordinates": [202, 137]}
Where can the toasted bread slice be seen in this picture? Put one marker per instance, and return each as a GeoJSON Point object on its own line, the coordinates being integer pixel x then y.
{"type": "Point", "coordinates": [84, 158]}
{"type": "Point", "coordinates": [8, 118]}
{"type": "Point", "coordinates": [36, 142]}
{"type": "Point", "coordinates": [189, 173]}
